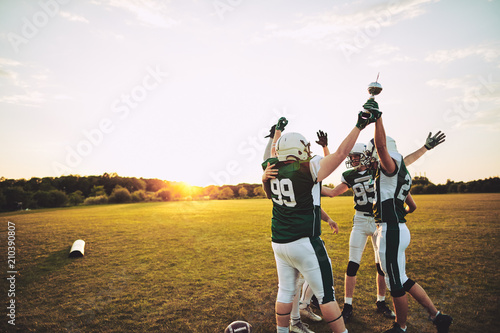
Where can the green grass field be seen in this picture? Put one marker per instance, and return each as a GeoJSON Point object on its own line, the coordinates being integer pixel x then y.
{"type": "Point", "coordinates": [197, 266]}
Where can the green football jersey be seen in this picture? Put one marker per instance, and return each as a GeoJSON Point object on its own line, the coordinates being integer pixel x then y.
{"type": "Point", "coordinates": [362, 184]}
{"type": "Point", "coordinates": [296, 200]}
{"type": "Point", "coordinates": [391, 192]}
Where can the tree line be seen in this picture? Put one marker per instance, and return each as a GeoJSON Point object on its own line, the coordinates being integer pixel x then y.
{"type": "Point", "coordinates": [422, 185]}
{"type": "Point", "coordinates": [73, 190]}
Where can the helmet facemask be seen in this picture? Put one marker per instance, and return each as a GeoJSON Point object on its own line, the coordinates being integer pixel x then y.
{"type": "Point", "coordinates": [359, 149]}
{"type": "Point", "coordinates": [362, 161]}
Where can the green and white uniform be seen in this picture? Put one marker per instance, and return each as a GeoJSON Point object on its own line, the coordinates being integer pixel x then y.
{"type": "Point", "coordinates": [391, 192]}
{"type": "Point", "coordinates": [296, 200]}
{"type": "Point", "coordinates": [393, 235]}
{"type": "Point", "coordinates": [296, 229]}
{"type": "Point", "coordinates": [362, 184]}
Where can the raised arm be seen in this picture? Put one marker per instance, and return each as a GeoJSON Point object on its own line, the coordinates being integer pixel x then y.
{"type": "Point", "coordinates": [267, 152]}
{"type": "Point", "coordinates": [409, 159]}
{"type": "Point", "coordinates": [280, 127]}
{"type": "Point", "coordinates": [333, 192]}
{"type": "Point", "coordinates": [386, 161]}
{"type": "Point", "coordinates": [332, 161]}
{"type": "Point", "coordinates": [430, 143]}
{"type": "Point", "coordinates": [323, 142]}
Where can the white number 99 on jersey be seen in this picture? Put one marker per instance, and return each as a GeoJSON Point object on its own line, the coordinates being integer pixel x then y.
{"type": "Point", "coordinates": [283, 192]}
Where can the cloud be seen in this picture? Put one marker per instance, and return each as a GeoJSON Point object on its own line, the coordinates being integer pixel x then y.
{"type": "Point", "coordinates": [147, 12]}
{"type": "Point", "coordinates": [347, 24]}
{"type": "Point", "coordinates": [73, 17]}
{"type": "Point", "coordinates": [384, 54]}
{"type": "Point", "coordinates": [23, 83]}
{"type": "Point", "coordinates": [9, 70]}
{"type": "Point", "coordinates": [473, 87]}
{"type": "Point", "coordinates": [8, 62]}
{"type": "Point", "coordinates": [476, 103]}
{"type": "Point", "coordinates": [30, 98]}
{"type": "Point", "coordinates": [488, 119]}
{"type": "Point", "coordinates": [488, 52]}
{"type": "Point", "coordinates": [447, 83]}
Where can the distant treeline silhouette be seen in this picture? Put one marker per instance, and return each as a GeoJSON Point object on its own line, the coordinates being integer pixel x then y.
{"type": "Point", "coordinates": [73, 190]}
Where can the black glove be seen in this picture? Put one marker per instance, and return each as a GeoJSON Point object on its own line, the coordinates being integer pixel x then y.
{"type": "Point", "coordinates": [432, 142]}
{"type": "Point", "coordinates": [271, 132]}
{"type": "Point", "coordinates": [363, 120]}
{"type": "Point", "coordinates": [322, 138]}
{"type": "Point", "coordinates": [282, 122]}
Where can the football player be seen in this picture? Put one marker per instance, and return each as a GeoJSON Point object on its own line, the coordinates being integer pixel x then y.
{"type": "Point", "coordinates": [292, 179]}
{"type": "Point", "coordinates": [392, 190]}
{"type": "Point", "coordinates": [361, 166]}
{"type": "Point", "coordinates": [299, 308]}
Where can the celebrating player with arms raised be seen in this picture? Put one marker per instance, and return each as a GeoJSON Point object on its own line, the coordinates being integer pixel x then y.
{"type": "Point", "coordinates": [293, 181]}
{"type": "Point", "coordinates": [362, 165]}
{"type": "Point", "coordinates": [392, 186]}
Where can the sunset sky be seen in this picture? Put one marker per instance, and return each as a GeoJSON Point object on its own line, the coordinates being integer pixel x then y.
{"type": "Point", "coordinates": [186, 90]}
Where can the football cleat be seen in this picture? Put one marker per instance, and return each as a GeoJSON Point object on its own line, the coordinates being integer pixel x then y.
{"type": "Point", "coordinates": [384, 309]}
{"type": "Point", "coordinates": [442, 322]}
{"type": "Point", "coordinates": [308, 313]}
{"type": "Point", "coordinates": [347, 312]}
{"type": "Point", "coordinates": [395, 329]}
{"type": "Point", "coordinates": [300, 327]}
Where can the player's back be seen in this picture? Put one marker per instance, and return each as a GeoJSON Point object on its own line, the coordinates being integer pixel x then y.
{"type": "Point", "coordinates": [296, 200]}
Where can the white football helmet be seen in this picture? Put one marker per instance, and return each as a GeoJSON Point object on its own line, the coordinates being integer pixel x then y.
{"type": "Point", "coordinates": [391, 144]}
{"type": "Point", "coordinates": [358, 149]}
{"type": "Point", "coordinates": [293, 146]}
{"type": "Point", "coordinates": [371, 151]}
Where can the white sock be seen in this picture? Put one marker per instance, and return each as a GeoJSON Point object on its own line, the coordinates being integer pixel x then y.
{"type": "Point", "coordinates": [437, 314]}
{"type": "Point", "coordinates": [348, 300]}
{"type": "Point", "coordinates": [346, 331]}
{"type": "Point", "coordinates": [280, 329]}
{"type": "Point", "coordinates": [380, 298]}
{"type": "Point", "coordinates": [295, 321]}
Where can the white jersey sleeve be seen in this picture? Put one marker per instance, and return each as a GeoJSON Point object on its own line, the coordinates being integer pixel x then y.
{"type": "Point", "coordinates": [314, 166]}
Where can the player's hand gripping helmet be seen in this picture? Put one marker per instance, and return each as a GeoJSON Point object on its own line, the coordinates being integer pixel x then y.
{"type": "Point", "coordinates": [359, 149]}
{"type": "Point", "coordinates": [293, 146]}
